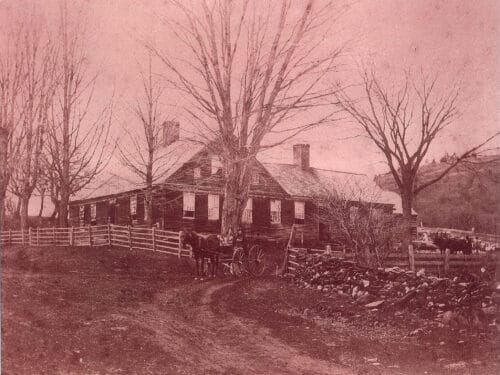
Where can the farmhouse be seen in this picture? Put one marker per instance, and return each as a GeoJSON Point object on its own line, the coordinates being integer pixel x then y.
{"type": "Point", "coordinates": [281, 195]}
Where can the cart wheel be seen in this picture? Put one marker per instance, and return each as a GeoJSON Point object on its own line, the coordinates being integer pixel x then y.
{"type": "Point", "coordinates": [256, 260]}
{"type": "Point", "coordinates": [237, 266]}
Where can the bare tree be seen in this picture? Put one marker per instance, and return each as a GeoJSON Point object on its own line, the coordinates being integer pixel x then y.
{"type": "Point", "coordinates": [403, 125]}
{"type": "Point", "coordinates": [356, 218]}
{"type": "Point", "coordinates": [145, 152]}
{"type": "Point", "coordinates": [247, 76]}
{"type": "Point", "coordinates": [11, 61]}
{"type": "Point", "coordinates": [36, 93]}
{"type": "Point", "coordinates": [77, 140]}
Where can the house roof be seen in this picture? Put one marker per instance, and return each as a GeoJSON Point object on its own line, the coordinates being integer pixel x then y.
{"type": "Point", "coordinates": [315, 182]}
{"type": "Point", "coordinates": [120, 179]}
{"type": "Point", "coordinates": [297, 182]}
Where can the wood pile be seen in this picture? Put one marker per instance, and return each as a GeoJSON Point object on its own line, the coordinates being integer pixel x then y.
{"type": "Point", "coordinates": [464, 299]}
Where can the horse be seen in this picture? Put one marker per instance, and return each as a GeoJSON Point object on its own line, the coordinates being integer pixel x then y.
{"type": "Point", "coordinates": [203, 247]}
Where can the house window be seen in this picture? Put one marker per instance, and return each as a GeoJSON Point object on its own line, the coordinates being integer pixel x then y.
{"type": "Point", "coordinates": [197, 172]}
{"type": "Point", "coordinates": [300, 212]}
{"type": "Point", "coordinates": [213, 207]}
{"type": "Point", "coordinates": [255, 178]}
{"type": "Point", "coordinates": [93, 212]}
{"type": "Point", "coordinates": [188, 205]}
{"type": "Point", "coordinates": [133, 205]}
{"type": "Point", "coordinates": [275, 211]}
{"type": "Point", "coordinates": [215, 164]}
{"type": "Point", "coordinates": [247, 212]}
{"type": "Point", "coordinates": [353, 213]}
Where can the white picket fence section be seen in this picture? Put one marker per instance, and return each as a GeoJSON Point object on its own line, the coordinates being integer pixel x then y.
{"type": "Point", "coordinates": [148, 239]}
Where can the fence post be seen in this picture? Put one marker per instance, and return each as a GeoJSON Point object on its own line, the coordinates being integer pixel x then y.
{"type": "Point", "coordinates": [153, 233]}
{"type": "Point", "coordinates": [446, 260]}
{"type": "Point", "coordinates": [71, 237]}
{"type": "Point", "coordinates": [411, 257]}
{"type": "Point", "coordinates": [29, 236]}
{"type": "Point", "coordinates": [90, 235]}
{"type": "Point", "coordinates": [109, 234]}
{"type": "Point", "coordinates": [37, 236]}
{"type": "Point", "coordinates": [10, 236]}
{"type": "Point", "coordinates": [180, 246]}
{"type": "Point", "coordinates": [130, 238]}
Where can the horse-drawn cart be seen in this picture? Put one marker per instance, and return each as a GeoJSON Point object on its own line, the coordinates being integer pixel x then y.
{"type": "Point", "coordinates": [239, 256]}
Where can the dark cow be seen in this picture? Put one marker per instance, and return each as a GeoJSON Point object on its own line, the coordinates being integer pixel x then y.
{"type": "Point", "coordinates": [444, 241]}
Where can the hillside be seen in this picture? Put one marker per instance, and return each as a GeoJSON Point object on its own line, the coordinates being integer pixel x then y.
{"type": "Point", "coordinates": [467, 197]}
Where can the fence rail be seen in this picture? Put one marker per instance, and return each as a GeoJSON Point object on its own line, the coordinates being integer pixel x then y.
{"type": "Point", "coordinates": [147, 239]}
{"type": "Point", "coordinates": [432, 262]}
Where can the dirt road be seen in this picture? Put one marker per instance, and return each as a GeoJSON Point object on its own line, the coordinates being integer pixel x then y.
{"type": "Point", "coordinates": [220, 342]}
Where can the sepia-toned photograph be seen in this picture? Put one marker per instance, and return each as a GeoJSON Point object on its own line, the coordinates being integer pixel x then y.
{"type": "Point", "coordinates": [247, 187]}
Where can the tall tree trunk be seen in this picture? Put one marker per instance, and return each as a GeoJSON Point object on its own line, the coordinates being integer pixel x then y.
{"type": "Point", "coordinates": [148, 196]}
{"type": "Point", "coordinates": [4, 178]}
{"type": "Point", "coordinates": [25, 199]}
{"type": "Point", "coordinates": [63, 208]}
{"type": "Point", "coordinates": [407, 204]}
{"type": "Point", "coordinates": [148, 208]}
{"type": "Point", "coordinates": [17, 213]}
{"type": "Point", "coordinates": [236, 188]}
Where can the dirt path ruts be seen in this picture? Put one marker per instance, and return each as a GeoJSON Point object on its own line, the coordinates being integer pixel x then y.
{"type": "Point", "coordinates": [213, 341]}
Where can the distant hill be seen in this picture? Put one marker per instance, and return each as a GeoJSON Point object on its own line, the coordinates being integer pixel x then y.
{"type": "Point", "coordinates": [467, 197]}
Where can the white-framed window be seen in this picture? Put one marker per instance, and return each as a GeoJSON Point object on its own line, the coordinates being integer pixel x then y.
{"type": "Point", "coordinates": [299, 211]}
{"type": "Point", "coordinates": [133, 205]}
{"type": "Point", "coordinates": [353, 213]}
{"type": "Point", "coordinates": [188, 205]}
{"type": "Point", "coordinates": [93, 212]}
{"type": "Point", "coordinates": [215, 164]}
{"type": "Point", "coordinates": [275, 211]}
{"type": "Point", "coordinates": [197, 172]}
{"type": "Point", "coordinates": [213, 207]}
{"type": "Point", "coordinates": [247, 217]}
{"type": "Point", "coordinates": [255, 178]}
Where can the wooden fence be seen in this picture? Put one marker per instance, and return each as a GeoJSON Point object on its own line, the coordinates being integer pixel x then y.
{"type": "Point", "coordinates": [434, 263]}
{"type": "Point", "coordinates": [132, 238]}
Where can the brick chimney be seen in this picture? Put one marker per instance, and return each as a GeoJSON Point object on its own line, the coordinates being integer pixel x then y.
{"type": "Point", "coordinates": [301, 155]}
{"type": "Point", "coordinates": [171, 131]}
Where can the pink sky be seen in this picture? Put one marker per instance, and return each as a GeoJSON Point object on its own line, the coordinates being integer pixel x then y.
{"type": "Point", "coordinates": [452, 38]}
